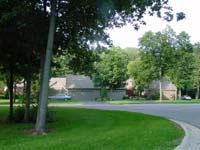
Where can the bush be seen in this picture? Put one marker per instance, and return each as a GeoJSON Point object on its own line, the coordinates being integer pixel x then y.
{"type": "Point", "coordinates": [104, 94]}
{"type": "Point", "coordinates": [20, 111]}
{"type": "Point", "coordinates": [155, 96]}
{"type": "Point", "coordinates": [125, 97]}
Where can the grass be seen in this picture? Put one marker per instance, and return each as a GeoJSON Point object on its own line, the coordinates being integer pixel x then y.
{"type": "Point", "coordinates": [6, 101]}
{"type": "Point", "coordinates": [19, 101]}
{"type": "Point", "coordinates": [74, 102]}
{"type": "Point", "coordinates": [124, 102]}
{"type": "Point", "coordinates": [85, 129]}
{"type": "Point", "coordinates": [193, 101]}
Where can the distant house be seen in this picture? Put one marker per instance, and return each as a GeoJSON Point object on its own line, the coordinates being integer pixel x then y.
{"type": "Point", "coordinates": [80, 87]}
{"type": "Point", "coordinates": [57, 85]}
{"type": "Point", "coordinates": [169, 89]}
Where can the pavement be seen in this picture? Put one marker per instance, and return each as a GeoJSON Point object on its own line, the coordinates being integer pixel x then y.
{"type": "Point", "coordinates": [191, 141]}
{"type": "Point", "coordinates": [186, 115]}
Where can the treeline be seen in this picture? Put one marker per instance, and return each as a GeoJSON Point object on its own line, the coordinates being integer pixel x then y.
{"type": "Point", "coordinates": [166, 54]}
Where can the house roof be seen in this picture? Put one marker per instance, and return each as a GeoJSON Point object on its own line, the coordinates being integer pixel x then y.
{"type": "Point", "coordinates": [79, 81]}
{"type": "Point", "coordinates": [166, 85]}
{"type": "Point", "coordinates": [57, 83]}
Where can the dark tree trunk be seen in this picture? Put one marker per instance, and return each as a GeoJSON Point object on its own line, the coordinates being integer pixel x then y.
{"type": "Point", "coordinates": [11, 81]}
{"type": "Point", "coordinates": [28, 94]}
{"type": "Point", "coordinates": [42, 108]}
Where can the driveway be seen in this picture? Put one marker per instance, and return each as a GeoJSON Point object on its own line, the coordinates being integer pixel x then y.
{"type": "Point", "coordinates": [189, 113]}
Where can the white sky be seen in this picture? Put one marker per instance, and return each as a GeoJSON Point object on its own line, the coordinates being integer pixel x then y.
{"type": "Point", "coordinates": [128, 37]}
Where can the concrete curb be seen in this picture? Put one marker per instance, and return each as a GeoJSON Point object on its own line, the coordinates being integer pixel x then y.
{"type": "Point", "coordinates": [191, 140]}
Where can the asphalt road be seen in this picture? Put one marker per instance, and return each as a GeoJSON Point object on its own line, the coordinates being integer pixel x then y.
{"type": "Point", "coordinates": [189, 113]}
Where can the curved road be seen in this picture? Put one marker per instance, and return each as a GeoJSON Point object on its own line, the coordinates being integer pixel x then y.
{"type": "Point", "coordinates": [189, 113]}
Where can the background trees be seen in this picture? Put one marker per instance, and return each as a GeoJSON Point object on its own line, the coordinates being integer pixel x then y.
{"type": "Point", "coordinates": [166, 54]}
{"type": "Point", "coordinates": [111, 69]}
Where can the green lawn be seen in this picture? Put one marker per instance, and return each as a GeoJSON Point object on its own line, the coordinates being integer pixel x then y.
{"type": "Point", "coordinates": [154, 102]}
{"type": "Point", "coordinates": [6, 101]}
{"type": "Point", "coordinates": [193, 101]}
{"type": "Point", "coordinates": [66, 102]}
{"type": "Point", "coordinates": [85, 129]}
{"type": "Point", "coordinates": [19, 101]}
{"type": "Point", "coordinates": [124, 102]}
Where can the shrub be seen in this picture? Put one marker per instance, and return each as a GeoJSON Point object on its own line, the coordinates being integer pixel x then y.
{"type": "Point", "coordinates": [104, 94]}
{"type": "Point", "coordinates": [125, 97]}
{"type": "Point", "coordinates": [155, 96]}
{"type": "Point", "coordinates": [20, 110]}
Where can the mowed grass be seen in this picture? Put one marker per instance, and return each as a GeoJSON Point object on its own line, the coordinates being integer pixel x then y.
{"type": "Point", "coordinates": [85, 129]}
{"type": "Point", "coordinates": [72, 102]}
{"type": "Point", "coordinates": [7, 101]}
{"type": "Point", "coordinates": [20, 101]}
{"type": "Point", "coordinates": [193, 101]}
{"type": "Point", "coordinates": [124, 102]}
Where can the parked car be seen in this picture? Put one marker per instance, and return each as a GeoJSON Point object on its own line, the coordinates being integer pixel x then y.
{"type": "Point", "coordinates": [60, 96]}
{"type": "Point", "coordinates": [186, 97]}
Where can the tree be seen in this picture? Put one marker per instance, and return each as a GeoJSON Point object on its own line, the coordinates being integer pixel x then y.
{"type": "Point", "coordinates": [111, 70]}
{"type": "Point", "coordinates": [133, 53]}
{"type": "Point", "coordinates": [141, 74]}
{"type": "Point", "coordinates": [157, 52]}
{"type": "Point", "coordinates": [41, 115]}
{"type": "Point", "coordinates": [196, 75]}
{"type": "Point", "coordinates": [182, 67]}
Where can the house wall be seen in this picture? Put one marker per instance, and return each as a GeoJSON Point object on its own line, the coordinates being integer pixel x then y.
{"type": "Point", "coordinates": [94, 94]}
{"type": "Point", "coordinates": [84, 94]}
{"type": "Point", "coordinates": [169, 94]}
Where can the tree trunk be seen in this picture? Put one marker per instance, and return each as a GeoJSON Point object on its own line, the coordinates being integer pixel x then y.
{"type": "Point", "coordinates": [42, 108]}
{"type": "Point", "coordinates": [28, 94]}
{"type": "Point", "coordinates": [11, 81]}
{"type": "Point", "coordinates": [14, 94]}
{"type": "Point", "coordinates": [179, 93]}
{"type": "Point", "coordinates": [197, 92]}
{"type": "Point", "coordinates": [160, 86]}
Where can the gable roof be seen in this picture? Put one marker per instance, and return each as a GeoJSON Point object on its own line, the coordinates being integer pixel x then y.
{"type": "Point", "coordinates": [79, 81]}
{"type": "Point", "coordinates": [166, 85]}
{"type": "Point", "coordinates": [57, 83]}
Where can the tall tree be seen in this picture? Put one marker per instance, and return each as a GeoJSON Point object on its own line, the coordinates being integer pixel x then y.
{"type": "Point", "coordinates": [157, 52]}
{"type": "Point", "coordinates": [42, 109]}
{"type": "Point", "coordinates": [196, 75]}
{"type": "Point", "coordinates": [183, 63]}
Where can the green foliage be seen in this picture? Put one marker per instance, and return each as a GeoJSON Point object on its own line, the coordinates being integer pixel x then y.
{"type": "Point", "coordinates": [141, 74]}
{"type": "Point", "coordinates": [154, 96]}
{"type": "Point", "coordinates": [111, 70]}
{"type": "Point", "coordinates": [133, 53]}
{"type": "Point", "coordinates": [103, 93]}
{"type": "Point", "coordinates": [181, 71]}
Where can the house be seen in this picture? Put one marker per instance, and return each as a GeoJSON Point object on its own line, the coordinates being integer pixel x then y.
{"type": "Point", "coordinates": [81, 87]}
{"type": "Point", "coordinates": [57, 85]}
{"type": "Point", "coordinates": [169, 89]}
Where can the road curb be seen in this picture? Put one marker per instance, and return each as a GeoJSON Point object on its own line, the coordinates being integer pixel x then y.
{"type": "Point", "coordinates": [191, 140]}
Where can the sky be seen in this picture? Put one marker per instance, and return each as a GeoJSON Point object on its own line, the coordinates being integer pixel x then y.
{"type": "Point", "coordinates": [128, 37]}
